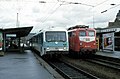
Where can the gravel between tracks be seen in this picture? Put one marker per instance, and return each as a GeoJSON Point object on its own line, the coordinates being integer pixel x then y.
{"type": "Point", "coordinates": [100, 71]}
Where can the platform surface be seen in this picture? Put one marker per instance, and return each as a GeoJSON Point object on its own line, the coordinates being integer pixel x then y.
{"type": "Point", "coordinates": [22, 66]}
{"type": "Point", "coordinates": [115, 54]}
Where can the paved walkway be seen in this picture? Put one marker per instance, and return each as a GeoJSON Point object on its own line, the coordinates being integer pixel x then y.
{"type": "Point", "coordinates": [22, 66]}
{"type": "Point", "coordinates": [115, 54]}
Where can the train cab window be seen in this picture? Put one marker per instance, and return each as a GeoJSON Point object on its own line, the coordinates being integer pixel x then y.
{"type": "Point", "coordinates": [91, 33]}
{"type": "Point", "coordinates": [82, 33]}
{"type": "Point", "coordinates": [56, 36]}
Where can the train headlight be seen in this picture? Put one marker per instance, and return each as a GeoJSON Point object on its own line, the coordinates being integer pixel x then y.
{"type": "Point", "coordinates": [81, 44]}
{"type": "Point", "coordinates": [94, 43]}
{"type": "Point", "coordinates": [64, 48]}
{"type": "Point", "coordinates": [48, 48]}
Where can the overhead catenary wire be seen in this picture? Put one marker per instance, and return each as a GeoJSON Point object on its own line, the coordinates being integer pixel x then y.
{"type": "Point", "coordinates": [52, 12]}
{"type": "Point", "coordinates": [110, 8]}
{"type": "Point", "coordinates": [94, 6]}
{"type": "Point", "coordinates": [101, 3]}
{"type": "Point", "coordinates": [62, 3]}
{"type": "Point", "coordinates": [47, 16]}
{"type": "Point", "coordinates": [42, 19]}
{"type": "Point", "coordinates": [68, 3]}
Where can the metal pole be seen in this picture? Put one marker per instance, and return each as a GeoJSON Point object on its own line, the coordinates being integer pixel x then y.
{"type": "Point", "coordinates": [93, 19]}
{"type": "Point", "coordinates": [17, 22]}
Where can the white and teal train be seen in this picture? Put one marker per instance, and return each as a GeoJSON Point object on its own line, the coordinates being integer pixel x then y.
{"type": "Point", "coordinates": [51, 41]}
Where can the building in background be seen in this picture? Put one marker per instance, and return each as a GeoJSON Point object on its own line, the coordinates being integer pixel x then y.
{"type": "Point", "coordinates": [116, 23]}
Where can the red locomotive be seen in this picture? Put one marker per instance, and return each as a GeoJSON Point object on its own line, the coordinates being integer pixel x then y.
{"type": "Point", "coordinates": [82, 40]}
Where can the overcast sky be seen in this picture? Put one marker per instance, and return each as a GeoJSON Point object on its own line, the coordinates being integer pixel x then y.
{"type": "Point", "coordinates": [57, 13]}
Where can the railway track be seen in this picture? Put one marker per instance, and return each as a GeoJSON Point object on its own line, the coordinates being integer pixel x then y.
{"type": "Point", "coordinates": [69, 71]}
{"type": "Point", "coordinates": [98, 70]}
{"type": "Point", "coordinates": [116, 60]}
{"type": "Point", "coordinates": [104, 61]}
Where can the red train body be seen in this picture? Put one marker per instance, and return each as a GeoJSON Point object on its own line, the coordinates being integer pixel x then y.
{"type": "Point", "coordinates": [82, 40]}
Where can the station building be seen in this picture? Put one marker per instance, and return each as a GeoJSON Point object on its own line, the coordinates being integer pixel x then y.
{"type": "Point", "coordinates": [109, 38]}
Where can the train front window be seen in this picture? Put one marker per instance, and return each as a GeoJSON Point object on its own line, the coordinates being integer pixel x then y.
{"type": "Point", "coordinates": [55, 36]}
{"type": "Point", "coordinates": [91, 33]}
{"type": "Point", "coordinates": [82, 33]}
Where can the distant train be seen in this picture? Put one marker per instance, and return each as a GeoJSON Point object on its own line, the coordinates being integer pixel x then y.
{"type": "Point", "coordinates": [51, 41]}
{"type": "Point", "coordinates": [82, 40]}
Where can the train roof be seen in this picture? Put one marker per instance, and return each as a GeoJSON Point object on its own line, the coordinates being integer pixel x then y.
{"type": "Point", "coordinates": [50, 29]}
{"type": "Point", "coordinates": [53, 29]}
{"type": "Point", "coordinates": [77, 27]}
{"type": "Point", "coordinates": [81, 29]}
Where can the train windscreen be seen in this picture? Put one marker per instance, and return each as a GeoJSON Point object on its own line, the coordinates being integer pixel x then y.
{"type": "Point", "coordinates": [55, 36]}
{"type": "Point", "coordinates": [82, 33]}
{"type": "Point", "coordinates": [91, 33]}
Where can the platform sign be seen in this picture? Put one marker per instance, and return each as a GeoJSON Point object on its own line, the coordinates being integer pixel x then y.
{"type": "Point", "coordinates": [108, 41]}
{"type": "Point", "coordinates": [1, 42]}
{"type": "Point", "coordinates": [10, 35]}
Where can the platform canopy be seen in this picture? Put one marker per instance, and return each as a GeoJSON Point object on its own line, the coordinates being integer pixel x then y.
{"type": "Point", "coordinates": [19, 32]}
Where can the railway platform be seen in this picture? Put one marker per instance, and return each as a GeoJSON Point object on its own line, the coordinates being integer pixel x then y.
{"type": "Point", "coordinates": [16, 65]}
{"type": "Point", "coordinates": [115, 54]}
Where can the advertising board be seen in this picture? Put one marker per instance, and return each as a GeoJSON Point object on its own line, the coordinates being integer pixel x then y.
{"type": "Point", "coordinates": [1, 42]}
{"type": "Point", "coordinates": [108, 41]}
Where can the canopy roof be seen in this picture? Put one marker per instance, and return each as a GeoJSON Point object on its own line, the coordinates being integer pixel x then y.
{"type": "Point", "coordinates": [20, 31]}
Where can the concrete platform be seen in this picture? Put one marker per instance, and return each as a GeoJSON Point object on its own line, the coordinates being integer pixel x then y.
{"type": "Point", "coordinates": [115, 54]}
{"type": "Point", "coordinates": [22, 66]}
